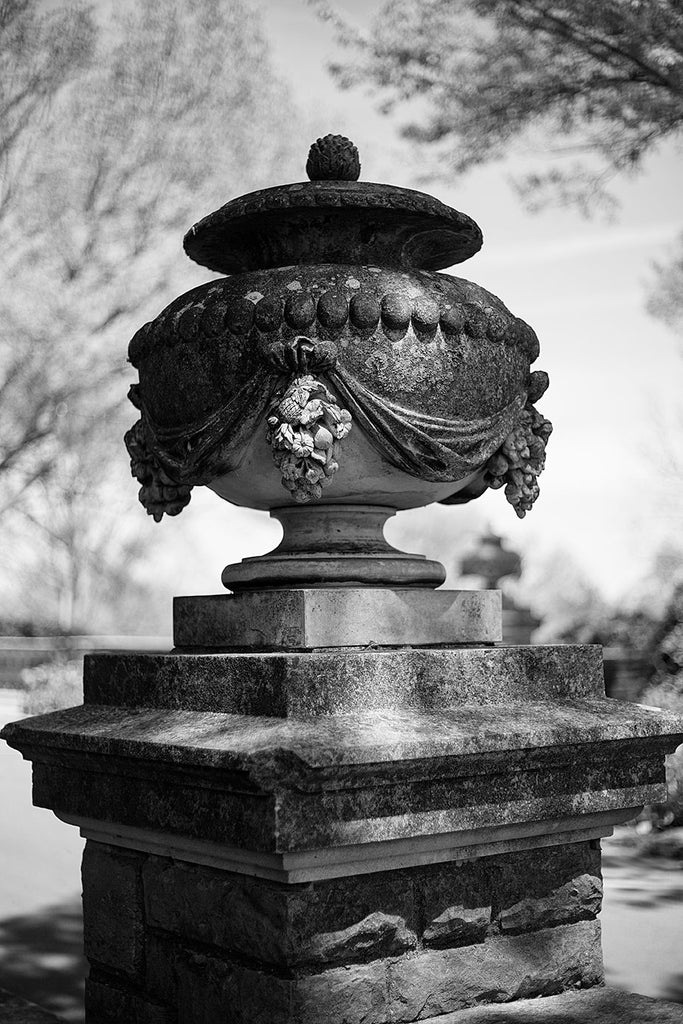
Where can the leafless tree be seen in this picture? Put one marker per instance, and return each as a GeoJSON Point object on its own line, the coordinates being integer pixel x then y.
{"type": "Point", "coordinates": [593, 86]}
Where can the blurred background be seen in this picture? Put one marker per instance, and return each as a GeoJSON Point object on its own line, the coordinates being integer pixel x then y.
{"type": "Point", "coordinates": [557, 127]}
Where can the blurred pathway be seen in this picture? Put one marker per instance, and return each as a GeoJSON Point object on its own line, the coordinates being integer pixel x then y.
{"type": "Point", "coordinates": [41, 937]}
{"type": "Point", "coordinates": [642, 922]}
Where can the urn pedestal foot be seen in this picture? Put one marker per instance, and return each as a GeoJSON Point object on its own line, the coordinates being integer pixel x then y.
{"type": "Point", "coordinates": [333, 546]}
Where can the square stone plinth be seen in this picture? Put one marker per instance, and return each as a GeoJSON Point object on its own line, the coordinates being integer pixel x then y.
{"type": "Point", "coordinates": [337, 617]}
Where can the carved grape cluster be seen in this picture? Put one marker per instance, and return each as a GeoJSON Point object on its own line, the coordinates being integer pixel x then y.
{"type": "Point", "coordinates": [520, 460]}
{"type": "Point", "coordinates": [158, 494]}
{"type": "Point", "coordinates": [305, 428]}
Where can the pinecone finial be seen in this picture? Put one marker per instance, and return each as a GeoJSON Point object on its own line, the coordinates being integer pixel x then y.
{"type": "Point", "coordinates": [333, 158]}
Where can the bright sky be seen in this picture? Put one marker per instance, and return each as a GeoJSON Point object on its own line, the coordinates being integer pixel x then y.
{"type": "Point", "coordinates": [615, 372]}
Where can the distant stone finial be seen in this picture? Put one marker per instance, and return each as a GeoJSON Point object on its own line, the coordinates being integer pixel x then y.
{"type": "Point", "coordinates": [333, 158]}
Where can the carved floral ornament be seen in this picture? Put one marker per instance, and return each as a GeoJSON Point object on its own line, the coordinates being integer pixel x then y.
{"type": "Point", "coordinates": [305, 430]}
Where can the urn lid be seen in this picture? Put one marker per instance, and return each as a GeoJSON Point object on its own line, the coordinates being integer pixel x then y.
{"type": "Point", "coordinates": [333, 218]}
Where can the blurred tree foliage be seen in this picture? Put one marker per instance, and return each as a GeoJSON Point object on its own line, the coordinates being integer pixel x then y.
{"type": "Point", "coordinates": [666, 691]}
{"type": "Point", "coordinates": [56, 684]}
{"type": "Point", "coordinates": [666, 297]}
{"type": "Point", "coordinates": [87, 567]}
{"type": "Point", "coordinates": [594, 85]}
{"type": "Point", "coordinates": [559, 591]}
{"type": "Point", "coordinates": [41, 50]}
{"type": "Point", "coordinates": [665, 303]}
{"type": "Point", "coordinates": [123, 126]}
{"type": "Point", "coordinates": [173, 109]}
{"type": "Point", "coordinates": [651, 629]}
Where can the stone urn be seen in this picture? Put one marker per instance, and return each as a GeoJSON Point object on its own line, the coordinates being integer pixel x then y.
{"type": "Point", "coordinates": [335, 376]}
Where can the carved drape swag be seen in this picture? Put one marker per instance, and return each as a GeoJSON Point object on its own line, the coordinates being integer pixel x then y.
{"type": "Point", "coordinates": [507, 446]}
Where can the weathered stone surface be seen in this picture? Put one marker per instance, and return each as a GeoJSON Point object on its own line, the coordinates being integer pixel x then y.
{"type": "Point", "coordinates": [511, 967]}
{"type": "Point", "coordinates": [580, 898]}
{"type": "Point", "coordinates": [458, 926]}
{"type": "Point", "coordinates": [209, 988]}
{"type": "Point", "coordinates": [311, 683]}
{"type": "Point", "coordinates": [276, 785]}
{"type": "Point", "coordinates": [213, 907]}
{"type": "Point", "coordinates": [335, 545]}
{"type": "Point", "coordinates": [377, 810]}
{"type": "Point", "coordinates": [273, 750]}
{"type": "Point", "coordinates": [499, 884]}
{"type": "Point", "coordinates": [108, 1003]}
{"type": "Point", "coordinates": [594, 1006]}
{"type": "Point", "coordinates": [377, 934]}
{"type": "Point", "coordinates": [413, 368]}
{"type": "Point", "coordinates": [354, 859]}
{"type": "Point", "coordinates": [357, 994]}
{"type": "Point", "coordinates": [113, 923]}
{"type": "Point", "coordinates": [362, 918]}
{"type": "Point", "coordinates": [161, 956]}
{"type": "Point", "coordinates": [344, 617]}
{"type": "Point", "coordinates": [212, 990]}
{"type": "Point", "coordinates": [399, 988]}
{"type": "Point", "coordinates": [282, 786]}
{"type": "Point", "coordinates": [297, 229]}
{"type": "Point", "coordinates": [355, 918]}
{"type": "Point", "coordinates": [329, 922]}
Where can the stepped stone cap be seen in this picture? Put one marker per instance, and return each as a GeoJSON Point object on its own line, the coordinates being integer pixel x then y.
{"type": "Point", "coordinates": [333, 218]}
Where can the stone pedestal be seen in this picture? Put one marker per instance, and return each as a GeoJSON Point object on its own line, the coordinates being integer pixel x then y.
{"type": "Point", "coordinates": [341, 834]}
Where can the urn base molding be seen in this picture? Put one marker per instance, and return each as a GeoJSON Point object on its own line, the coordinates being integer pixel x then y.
{"type": "Point", "coordinates": [333, 546]}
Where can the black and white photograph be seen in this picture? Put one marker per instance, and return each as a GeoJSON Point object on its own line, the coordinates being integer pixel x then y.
{"type": "Point", "coordinates": [341, 511]}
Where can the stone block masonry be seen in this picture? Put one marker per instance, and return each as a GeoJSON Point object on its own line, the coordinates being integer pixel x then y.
{"type": "Point", "coordinates": [394, 946]}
